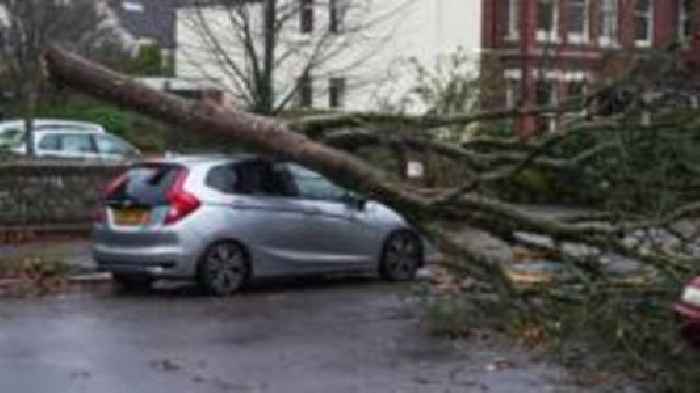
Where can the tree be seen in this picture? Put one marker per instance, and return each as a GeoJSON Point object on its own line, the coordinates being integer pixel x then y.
{"type": "Point", "coordinates": [265, 52]}
{"type": "Point", "coordinates": [501, 160]}
{"type": "Point", "coordinates": [26, 29]}
{"type": "Point", "coordinates": [643, 167]}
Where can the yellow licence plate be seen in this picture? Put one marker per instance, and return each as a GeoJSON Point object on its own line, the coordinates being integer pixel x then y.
{"type": "Point", "coordinates": [131, 217]}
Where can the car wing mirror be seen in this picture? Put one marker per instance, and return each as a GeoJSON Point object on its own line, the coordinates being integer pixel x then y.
{"type": "Point", "coordinates": [355, 201]}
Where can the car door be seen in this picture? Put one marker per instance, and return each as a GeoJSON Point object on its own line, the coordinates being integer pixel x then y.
{"type": "Point", "coordinates": [257, 209]}
{"type": "Point", "coordinates": [77, 145]}
{"type": "Point", "coordinates": [335, 228]}
{"type": "Point", "coordinates": [48, 145]}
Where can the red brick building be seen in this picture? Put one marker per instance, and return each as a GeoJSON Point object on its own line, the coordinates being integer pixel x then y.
{"type": "Point", "coordinates": [548, 50]}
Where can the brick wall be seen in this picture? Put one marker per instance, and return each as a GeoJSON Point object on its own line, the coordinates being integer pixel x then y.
{"type": "Point", "coordinates": [590, 61]}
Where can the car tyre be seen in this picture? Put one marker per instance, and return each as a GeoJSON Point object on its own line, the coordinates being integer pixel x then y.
{"type": "Point", "coordinates": [401, 257]}
{"type": "Point", "coordinates": [133, 283]}
{"type": "Point", "coordinates": [224, 269]}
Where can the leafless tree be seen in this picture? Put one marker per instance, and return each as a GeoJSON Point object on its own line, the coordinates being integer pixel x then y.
{"type": "Point", "coordinates": [27, 27]}
{"type": "Point", "coordinates": [263, 52]}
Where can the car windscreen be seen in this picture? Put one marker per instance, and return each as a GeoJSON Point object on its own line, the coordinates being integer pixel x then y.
{"type": "Point", "coordinates": [146, 185]}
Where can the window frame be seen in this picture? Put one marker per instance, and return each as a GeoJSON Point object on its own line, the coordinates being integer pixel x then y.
{"type": "Point", "coordinates": [513, 32]}
{"type": "Point", "coordinates": [685, 17]}
{"type": "Point", "coordinates": [336, 17]}
{"type": "Point", "coordinates": [609, 12]}
{"type": "Point", "coordinates": [579, 37]}
{"type": "Point", "coordinates": [553, 34]}
{"type": "Point", "coordinates": [306, 91]}
{"type": "Point", "coordinates": [337, 90]}
{"type": "Point", "coordinates": [306, 16]}
{"type": "Point", "coordinates": [648, 15]}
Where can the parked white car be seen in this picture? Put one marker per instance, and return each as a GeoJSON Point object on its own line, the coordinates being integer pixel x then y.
{"type": "Point", "coordinates": [88, 145]}
{"type": "Point", "coordinates": [66, 139]}
{"type": "Point", "coordinates": [12, 131]}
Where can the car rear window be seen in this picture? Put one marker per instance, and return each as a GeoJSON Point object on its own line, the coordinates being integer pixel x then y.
{"type": "Point", "coordinates": [146, 185]}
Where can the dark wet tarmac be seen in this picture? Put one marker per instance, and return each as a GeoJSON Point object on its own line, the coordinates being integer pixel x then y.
{"type": "Point", "coordinates": [308, 336]}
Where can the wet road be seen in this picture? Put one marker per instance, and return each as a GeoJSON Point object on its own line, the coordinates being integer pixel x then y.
{"type": "Point", "coordinates": [351, 335]}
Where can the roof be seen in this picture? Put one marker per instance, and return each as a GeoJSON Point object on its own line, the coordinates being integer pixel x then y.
{"type": "Point", "coordinates": [154, 19]}
{"type": "Point", "coordinates": [186, 159]}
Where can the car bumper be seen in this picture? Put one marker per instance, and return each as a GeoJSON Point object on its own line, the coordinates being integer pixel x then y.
{"type": "Point", "coordinates": [154, 261]}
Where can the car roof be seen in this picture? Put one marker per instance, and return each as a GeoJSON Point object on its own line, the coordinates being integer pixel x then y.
{"type": "Point", "coordinates": [191, 159]}
{"type": "Point", "coordinates": [53, 123]}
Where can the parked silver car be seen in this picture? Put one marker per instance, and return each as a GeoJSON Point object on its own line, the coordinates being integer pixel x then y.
{"type": "Point", "coordinates": [12, 132]}
{"type": "Point", "coordinates": [223, 221]}
{"type": "Point", "coordinates": [75, 143]}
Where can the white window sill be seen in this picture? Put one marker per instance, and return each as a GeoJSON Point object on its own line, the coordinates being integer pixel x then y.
{"type": "Point", "coordinates": [545, 36]}
{"type": "Point", "coordinates": [512, 37]}
{"type": "Point", "coordinates": [578, 39]}
{"type": "Point", "coordinates": [642, 44]}
{"type": "Point", "coordinates": [608, 42]}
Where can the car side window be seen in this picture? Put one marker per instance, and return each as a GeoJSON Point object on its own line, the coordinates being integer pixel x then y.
{"type": "Point", "coordinates": [248, 178]}
{"type": "Point", "coordinates": [50, 142]}
{"type": "Point", "coordinates": [110, 145]}
{"type": "Point", "coordinates": [77, 143]}
{"type": "Point", "coordinates": [312, 185]}
{"type": "Point", "coordinates": [222, 178]}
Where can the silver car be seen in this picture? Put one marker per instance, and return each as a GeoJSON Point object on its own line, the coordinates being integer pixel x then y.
{"type": "Point", "coordinates": [223, 221]}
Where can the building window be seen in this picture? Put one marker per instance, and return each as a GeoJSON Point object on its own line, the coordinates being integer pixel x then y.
{"type": "Point", "coordinates": [306, 91]}
{"type": "Point", "coordinates": [644, 23]}
{"type": "Point", "coordinates": [686, 27]}
{"type": "Point", "coordinates": [547, 20]}
{"type": "Point", "coordinates": [336, 93]}
{"type": "Point", "coordinates": [306, 15]}
{"type": "Point", "coordinates": [608, 22]}
{"type": "Point", "coordinates": [578, 21]}
{"type": "Point", "coordinates": [514, 96]}
{"type": "Point", "coordinates": [546, 93]}
{"type": "Point", "coordinates": [576, 92]}
{"type": "Point", "coordinates": [336, 14]}
{"type": "Point", "coordinates": [513, 20]}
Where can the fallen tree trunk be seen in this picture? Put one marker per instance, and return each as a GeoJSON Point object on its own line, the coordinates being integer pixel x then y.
{"type": "Point", "coordinates": [263, 134]}
{"type": "Point", "coordinates": [277, 139]}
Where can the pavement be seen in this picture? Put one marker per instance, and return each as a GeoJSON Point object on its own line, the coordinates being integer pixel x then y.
{"type": "Point", "coordinates": [305, 336]}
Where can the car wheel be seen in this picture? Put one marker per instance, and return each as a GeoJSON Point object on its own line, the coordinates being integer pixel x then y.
{"type": "Point", "coordinates": [224, 269]}
{"type": "Point", "coordinates": [401, 257]}
{"type": "Point", "coordinates": [133, 283]}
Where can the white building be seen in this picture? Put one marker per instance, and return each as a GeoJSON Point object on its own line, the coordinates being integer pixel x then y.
{"type": "Point", "coordinates": [360, 57]}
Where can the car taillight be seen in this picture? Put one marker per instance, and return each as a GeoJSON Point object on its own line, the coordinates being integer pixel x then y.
{"type": "Point", "coordinates": [182, 203]}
